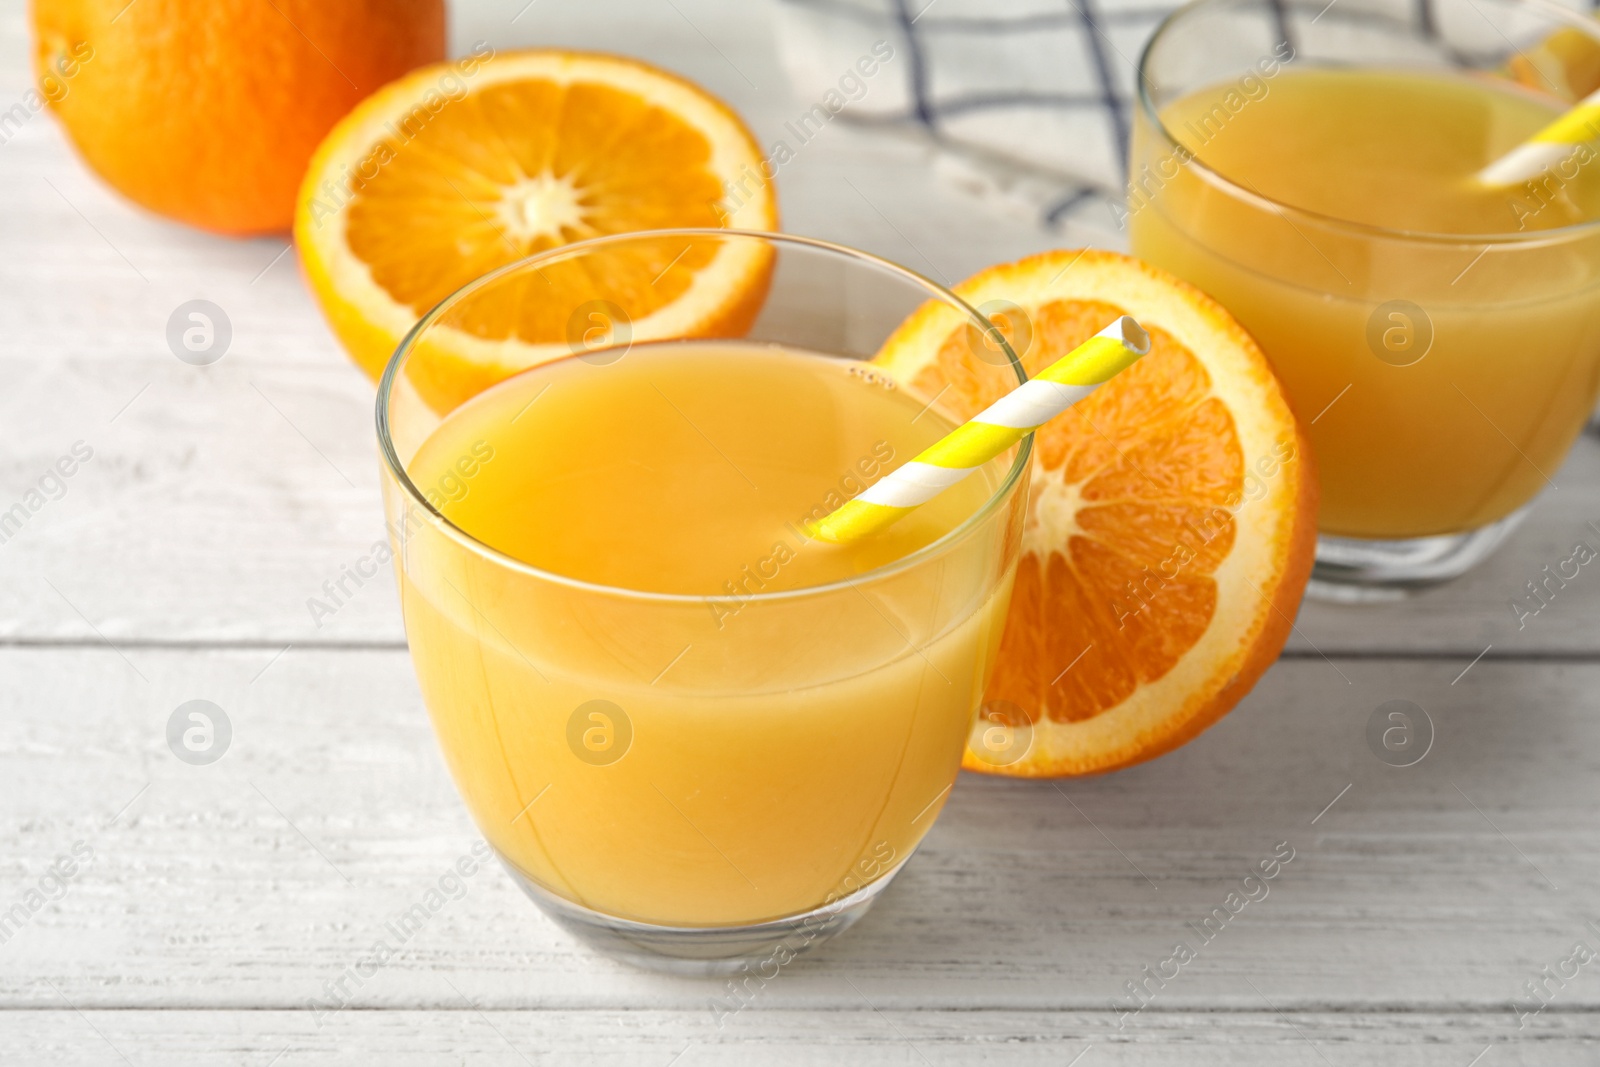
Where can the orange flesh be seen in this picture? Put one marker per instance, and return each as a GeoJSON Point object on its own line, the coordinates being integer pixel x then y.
{"type": "Point", "coordinates": [1153, 461]}
{"type": "Point", "coordinates": [522, 167]}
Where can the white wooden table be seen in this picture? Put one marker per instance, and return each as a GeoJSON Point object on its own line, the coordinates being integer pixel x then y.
{"type": "Point", "coordinates": [221, 899]}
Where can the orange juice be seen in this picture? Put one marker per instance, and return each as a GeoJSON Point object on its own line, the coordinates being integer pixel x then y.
{"type": "Point", "coordinates": [1440, 338]}
{"type": "Point", "coordinates": [680, 711]}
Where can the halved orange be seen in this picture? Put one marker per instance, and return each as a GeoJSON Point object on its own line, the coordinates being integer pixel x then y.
{"type": "Point", "coordinates": [459, 168]}
{"type": "Point", "coordinates": [1171, 521]}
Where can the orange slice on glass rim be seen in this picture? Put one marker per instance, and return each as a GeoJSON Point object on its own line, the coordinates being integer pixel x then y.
{"type": "Point", "coordinates": [1171, 518]}
{"type": "Point", "coordinates": [462, 167]}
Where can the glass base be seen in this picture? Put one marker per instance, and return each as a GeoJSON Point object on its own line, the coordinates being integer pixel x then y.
{"type": "Point", "coordinates": [704, 950]}
{"type": "Point", "coordinates": [1354, 570]}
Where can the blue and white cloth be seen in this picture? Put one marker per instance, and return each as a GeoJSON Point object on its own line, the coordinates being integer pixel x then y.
{"type": "Point", "coordinates": [1029, 101]}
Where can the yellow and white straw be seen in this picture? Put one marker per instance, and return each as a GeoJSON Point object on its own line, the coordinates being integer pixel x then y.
{"type": "Point", "coordinates": [1549, 146]}
{"type": "Point", "coordinates": [989, 433]}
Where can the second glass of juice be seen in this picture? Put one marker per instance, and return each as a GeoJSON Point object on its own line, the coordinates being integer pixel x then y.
{"type": "Point", "coordinates": [696, 738]}
{"type": "Point", "coordinates": [1312, 167]}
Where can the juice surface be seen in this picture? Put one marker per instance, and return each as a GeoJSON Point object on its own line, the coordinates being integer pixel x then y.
{"type": "Point", "coordinates": [1442, 382]}
{"type": "Point", "coordinates": [1394, 149]}
{"type": "Point", "coordinates": [724, 758]}
{"type": "Point", "coordinates": [674, 468]}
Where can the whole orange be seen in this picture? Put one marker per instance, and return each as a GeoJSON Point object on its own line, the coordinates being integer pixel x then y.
{"type": "Point", "coordinates": [206, 111]}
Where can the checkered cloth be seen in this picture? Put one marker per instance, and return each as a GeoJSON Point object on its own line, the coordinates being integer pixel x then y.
{"type": "Point", "coordinates": [1029, 101]}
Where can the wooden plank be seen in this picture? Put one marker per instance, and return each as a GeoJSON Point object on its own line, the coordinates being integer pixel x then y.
{"type": "Point", "coordinates": [218, 501]}
{"type": "Point", "coordinates": [1494, 604]}
{"type": "Point", "coordinates": [845, 1037]}
{"type": "Point", "coordinates": [255, 881]}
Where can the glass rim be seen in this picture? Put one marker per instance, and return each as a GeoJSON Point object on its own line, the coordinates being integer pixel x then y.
{"type": "Point", "coordinates": [933, 290]}
{"type": "Point", "coordinates": [1557, 13]}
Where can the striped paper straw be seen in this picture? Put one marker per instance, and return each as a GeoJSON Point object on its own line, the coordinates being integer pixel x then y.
{"type": "Point", "coordinates": [1548, 147]}
{"type": "Point", "coordinates": [989, 433]}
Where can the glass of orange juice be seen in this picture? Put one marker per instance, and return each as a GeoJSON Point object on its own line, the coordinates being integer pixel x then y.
{"type": "Point", "coordinates": [1312, 166]}
{"type": "Point", "coordinates": [696, 738]}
